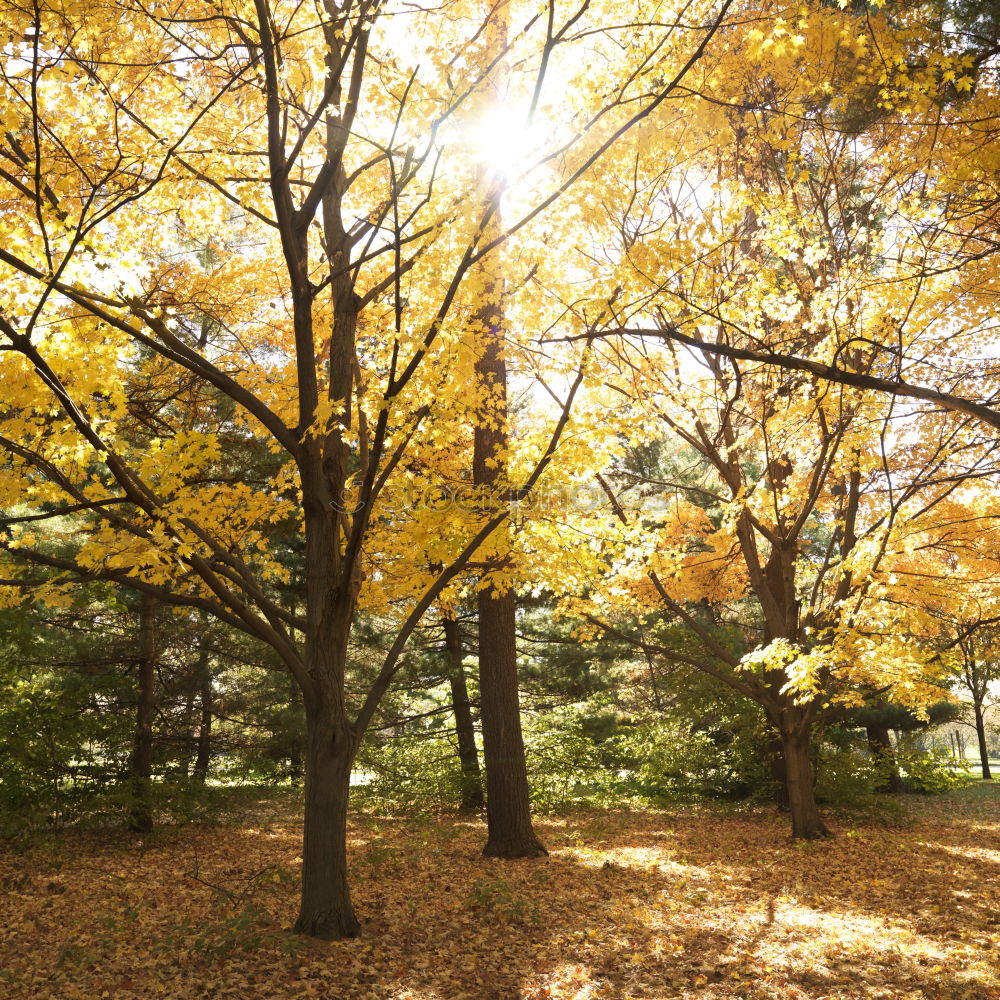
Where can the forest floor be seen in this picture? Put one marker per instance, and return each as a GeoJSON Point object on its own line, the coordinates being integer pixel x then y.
{"type": "Point", "coordinates": [697, 902]}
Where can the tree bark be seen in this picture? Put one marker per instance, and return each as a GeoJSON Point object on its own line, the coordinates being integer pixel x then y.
{"type": "Point", "coordinates": [779, 773]}
{"type": "Point", "coordinates": [190, 740]}
{"type": "Point", "coordinates": [806, 821]}
{"type": "Point", "coordinates": [984, 753]}
{"type": "Point", "coordinates": [468, 755]}
{"type": "Point", "coordinates": [140, 819]}
{"type": "Point", "coordinates": [205, 726]}
{"type": "Point", "coordinates": [881, 749]}
{"type": "Point", "coordinates": [508, 812]}
{"type": "Point", "coordinates": [326, 911]}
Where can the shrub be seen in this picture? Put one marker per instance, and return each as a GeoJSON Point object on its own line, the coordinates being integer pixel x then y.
{"type": "Point", "coordinates": [846, 773]}
{"type": "Point", "coordinates": [930, 772]}
{"type": "Point", "coordinates": [412, 772]}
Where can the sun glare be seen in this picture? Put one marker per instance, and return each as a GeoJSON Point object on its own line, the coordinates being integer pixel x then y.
{"type": "Point", "coordinates": [504, 140]}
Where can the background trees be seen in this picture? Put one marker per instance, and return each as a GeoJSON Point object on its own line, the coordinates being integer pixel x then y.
{"type": "Point", "coordinates": [254, 271]}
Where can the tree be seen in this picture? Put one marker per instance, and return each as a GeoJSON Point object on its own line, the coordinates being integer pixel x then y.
{"type": "Point", "coordinates": [980, 669]}
{"type": "Point", "coordinates": [763, 230]}
{"type": "Point", "coordinates": [306, 129]}
{"type": "Point", "coordinates": [141, 763]}
{"type": "Point", "coordinates": [465, 733]}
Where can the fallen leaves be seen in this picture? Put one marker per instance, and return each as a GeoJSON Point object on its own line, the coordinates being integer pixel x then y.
{"type": "Point", "coordinates": [693, 903]}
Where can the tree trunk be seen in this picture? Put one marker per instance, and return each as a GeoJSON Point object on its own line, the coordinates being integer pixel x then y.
{"type": "Point", "coordinates": [881, 750]}
{"type": "Point", "coordinates": [984, 754]}
{"type": "Point", "coordinates": [779, 773]}
{"type": "Point", "coordinates": [326, 911]}
{"type": "Point", "coordinates": [205, 726]}
{"type": "Point", "coordinates": [140, 818]}
{"type": "Point", "coordinates": [468, 755]}
{"type": "Point", "coordinates": [508, 812]}
{"type": "Point", "coordinates": [189, 741]}
{"type": "Point", "coordinates": [806, 822]}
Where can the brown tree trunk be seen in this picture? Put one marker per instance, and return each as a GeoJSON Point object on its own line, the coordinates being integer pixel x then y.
{"type": "Point", "coordinates": [881, 749]}
{"type": "Point", "coordinates": [984, 753]}
{"type": "Point", "coordinates": [508, 812]}
{"type": "Point", "coordinates": [205, 726]}
{"type": "Point", "coordinates": [468, 755]}
{"type": "Point", "coordinates": [779, 773]}
{"type": "Point", "coordinates": [806, 821]}
{"type": "Point", "coordinates": [140, 818]}
{"type": "Point", "coordinates": [189, 740]}
{"type": "Point", "coordinates": [326, 911]}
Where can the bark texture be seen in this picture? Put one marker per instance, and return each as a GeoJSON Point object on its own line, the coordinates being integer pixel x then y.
{"type": "Point", "coordinates": [326, 910]}
{"type": "Point", "coordinates": [984, 753]}
{"type": "Point", "coordinates": [508, 811]}
{"type": "Point", "coordinates": [806, 821]}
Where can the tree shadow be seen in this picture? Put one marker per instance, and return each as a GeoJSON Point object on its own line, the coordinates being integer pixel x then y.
{"type": "Point", "coordinates": [691, 903]}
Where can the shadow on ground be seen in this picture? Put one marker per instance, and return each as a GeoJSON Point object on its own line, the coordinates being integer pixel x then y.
{"type": "Point", "coordinates": [684, 903]}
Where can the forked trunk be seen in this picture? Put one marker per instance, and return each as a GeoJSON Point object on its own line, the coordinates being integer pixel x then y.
{"type": "Point", "coordinates": [508, 812]}
{"type": "Point", "coordinates": [984, 753]}
{"type": "Point", "coordinates": [806, 821]}
{"type": "Point", "coordinates": [326, 911]}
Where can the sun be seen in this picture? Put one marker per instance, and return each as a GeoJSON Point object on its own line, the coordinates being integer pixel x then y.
{"type": "Point", "coordinates": [504, 140]}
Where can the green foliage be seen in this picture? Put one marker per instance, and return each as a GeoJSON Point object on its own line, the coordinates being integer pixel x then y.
{"type": "Point", "coordinates": [846, 773]}
{"type": "Point", "coordinates": [565, 765]}
{"type": "Point", "coordinates": [667, 760]}
{"type": "Point", "coordinates": [498, 898]}
{"type": "Point", "coordinates": [58, 757]}
{"type": "Point", "coordinates": [931, 772]}
{"type": "Point", "coordinates": [412, 772]}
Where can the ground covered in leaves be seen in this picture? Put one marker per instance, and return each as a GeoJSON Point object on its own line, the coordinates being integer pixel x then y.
{"type": "Point", "coordinates": [692, 902]}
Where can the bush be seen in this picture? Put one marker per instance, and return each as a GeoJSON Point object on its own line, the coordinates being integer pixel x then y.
{"type": "Point", "coordinates": [412, 772]}
{"type": "Point", "coordinates": [931, 772]}
{"type": "Point", "coordinates": [846, 773]}
{"type": "Point", "coordinates": [58, 759]}
{"type": "Point", "coordinates": [565, 765]}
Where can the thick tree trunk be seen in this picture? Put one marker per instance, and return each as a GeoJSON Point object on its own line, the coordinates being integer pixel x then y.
{"type": "Point", "coordinates": [881, 749]}
{"type": "Point", "coordinates": [508, 812]}
{"type": "Point", "coordinates": [468, 755]}
{"type": "Point", "coordinates": [806, 821]}
{"type": "Point", "coordinates": [984, 753]}
{"type": "Point", "coordinates": [205, 726]}
{"type": "Point", "coordinates": [326, 911]}
{"type": "Point", "coordinates": [140, 818]}
{"type": "Point", "coordinates": [779, 773]}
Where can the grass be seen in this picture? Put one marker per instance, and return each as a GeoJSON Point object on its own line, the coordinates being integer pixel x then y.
{"type": "Point", "coordinates": [693, 902]}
